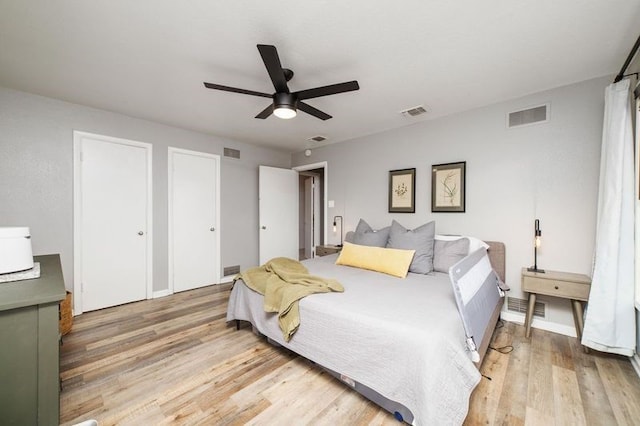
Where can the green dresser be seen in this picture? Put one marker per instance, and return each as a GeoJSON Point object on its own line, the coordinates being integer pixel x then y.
{"type": "Point", "coordinates": [29, 347]}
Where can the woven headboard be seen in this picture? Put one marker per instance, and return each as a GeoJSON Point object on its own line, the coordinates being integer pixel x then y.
{"type": "Point", "coordinates": [497, 257]}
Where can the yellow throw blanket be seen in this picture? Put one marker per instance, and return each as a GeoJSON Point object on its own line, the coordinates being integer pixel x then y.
{"type": "Point", "coordinates": [283, 282]}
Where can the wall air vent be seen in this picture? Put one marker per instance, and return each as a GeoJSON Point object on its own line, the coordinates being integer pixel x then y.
{"type": "Point", "coordinates": [231, 270]}
{"type": "Point", "coordinates": [318, 138]}
{"type": "Point", "coordinates": [525, 117]}
{"type": "Point", "coordinates": [232, 153]}
{"type": "Point", "coordinates": [520, 305]}
{"type": "Point", "coordinates": [415, 111]}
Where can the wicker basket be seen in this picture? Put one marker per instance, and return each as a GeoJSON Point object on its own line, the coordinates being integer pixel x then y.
{"type": "Point", "coordinates": [66, 317]}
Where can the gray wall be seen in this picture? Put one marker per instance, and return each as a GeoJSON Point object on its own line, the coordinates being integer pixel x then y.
{"type": "Point", "coordinates": [36, 176]}
{"type": "Point", "coordinates": [547, 171]}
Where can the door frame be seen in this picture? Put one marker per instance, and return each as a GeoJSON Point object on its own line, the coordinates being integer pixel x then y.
{"type": "Point", "coordinates": [78, 136]}
{"type": "Point", "coordinates": [309, 207]}
{"type": "Point", "coordinates": [321, 165]}
{"type": "Point", "coordinates": [217, 260]}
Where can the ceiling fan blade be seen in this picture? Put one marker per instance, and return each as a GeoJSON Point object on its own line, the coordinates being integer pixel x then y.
{"type": "Point", "coordinates": [274, 67]}
{"type": "Point", "coordinates": [313, 111]}
{"type": "Point", "coordinates": [235, 90]}
{"type": "Point", "coordinates": [332, 89]}
{"type": "Point", "coordinates": [265, 112]}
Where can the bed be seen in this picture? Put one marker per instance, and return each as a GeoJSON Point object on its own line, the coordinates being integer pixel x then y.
{"type": "Point", "coordinates": [407, 344]}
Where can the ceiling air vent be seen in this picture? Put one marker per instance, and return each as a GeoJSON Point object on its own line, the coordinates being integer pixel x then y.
{"type": "Point", "coordinates": [535, 115]}
{"type": "Point", "coordinates": [520, 305]}
{"type": "Point", "coordinates": [415, 111]}
{"type": "Point", "coordinates": [232, 153]}
{"type": "Point", "coordinates": [318, 138]}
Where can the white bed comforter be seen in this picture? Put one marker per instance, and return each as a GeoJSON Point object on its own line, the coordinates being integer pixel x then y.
{"type": "Point", "coordinates": [401, 337]}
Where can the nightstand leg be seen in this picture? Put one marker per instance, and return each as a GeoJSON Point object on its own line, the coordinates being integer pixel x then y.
{"type": "Point", "coordinates": [577, 318]}
{"type": "Point", "coordinates": [576, 308]}
{"type": "Point", "coordinates": [529, 316]}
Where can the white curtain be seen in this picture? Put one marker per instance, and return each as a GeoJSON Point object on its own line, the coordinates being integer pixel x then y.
{"type": "Point", "coordinates": [610, 319]}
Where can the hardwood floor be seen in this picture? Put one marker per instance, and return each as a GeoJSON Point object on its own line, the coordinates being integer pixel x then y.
{"type": "Point", "coordinates": [174, 360]}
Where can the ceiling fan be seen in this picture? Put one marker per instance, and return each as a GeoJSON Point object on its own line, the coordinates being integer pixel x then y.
{"type": "Point", "coordinates": [285, 104]}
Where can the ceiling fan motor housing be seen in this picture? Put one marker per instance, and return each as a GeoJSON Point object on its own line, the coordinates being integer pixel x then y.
{"type": "Point", "coordinates": [285, 100]}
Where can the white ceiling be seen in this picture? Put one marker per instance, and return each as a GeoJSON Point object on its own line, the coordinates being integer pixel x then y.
{"type": "Point", "coordinates": [149, 58]}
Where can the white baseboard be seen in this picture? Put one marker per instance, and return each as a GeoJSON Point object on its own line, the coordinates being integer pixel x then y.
{"type": "Point", "coordinates": [635, 361]}
{"type": "Point", "coordinates": [167, 292]}
{"type": "Point", "coordinates": [540, 323]}
{"type": "Point", "coordinates": [161, 293]}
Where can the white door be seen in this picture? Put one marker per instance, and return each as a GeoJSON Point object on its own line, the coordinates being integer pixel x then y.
{"type": "Point", "coordinates": [194, 257]}
{"type": "Point", "coordinates": [278, 211]}
{"type": "Point", "coordinates": [112, 221]}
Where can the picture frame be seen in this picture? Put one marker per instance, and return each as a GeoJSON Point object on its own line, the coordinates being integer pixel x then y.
{"type": "Point", "coordinates": [402, 191]}
{"type": "Point", "coordinates": [448, 187]}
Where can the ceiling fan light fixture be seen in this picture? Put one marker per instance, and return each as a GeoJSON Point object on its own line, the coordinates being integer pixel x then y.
{"type": "Point", "coordinates": [285, 112]}
{"type": "Point", "coordinates": [284, 105]}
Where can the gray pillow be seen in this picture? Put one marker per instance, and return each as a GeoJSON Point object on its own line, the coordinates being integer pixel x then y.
{"type": "Point", "coordinates": [448, 253]}
{"type": "Point", "coordinates": [420, 240]}
{"type": "Point", "coordinates": [366, 236]}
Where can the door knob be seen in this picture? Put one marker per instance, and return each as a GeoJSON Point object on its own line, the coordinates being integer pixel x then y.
{"type": "Point", "coordinates": [212, 229]}
{"type": "Point", "coordinates": [264, 227]}
{"type": "Point", "coordinates": [140, 233]}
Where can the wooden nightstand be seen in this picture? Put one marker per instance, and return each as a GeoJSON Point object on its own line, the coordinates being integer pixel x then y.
{"type": "Point", "coordinates": [566, 285]}
{"type": "Point", "coordinates": [327, 249]}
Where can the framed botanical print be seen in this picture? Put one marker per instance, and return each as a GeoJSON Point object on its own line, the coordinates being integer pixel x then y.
{"type": "Point", "coordinates": [448, 187]}
{"type": "Point", "coordinates": [402, 191]}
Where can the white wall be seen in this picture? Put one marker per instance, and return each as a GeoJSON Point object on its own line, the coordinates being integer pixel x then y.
{"type": "Point", "coordinates": [36, 176]}
{"type": "Point", "coordinates": [547, 171]}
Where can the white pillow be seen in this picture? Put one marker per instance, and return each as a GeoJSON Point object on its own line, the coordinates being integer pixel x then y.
{"type": "Point", "coordinates": [474, 243]}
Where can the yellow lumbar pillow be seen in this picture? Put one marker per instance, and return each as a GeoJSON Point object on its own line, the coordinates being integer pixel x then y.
{"type": "Point", "coordinates": [387, 260]}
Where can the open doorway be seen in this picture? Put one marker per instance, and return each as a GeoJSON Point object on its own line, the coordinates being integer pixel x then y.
{"type": "Point", "coordinates": [312, 209]}
{"type": "Point", "coordinates": [311, 222]}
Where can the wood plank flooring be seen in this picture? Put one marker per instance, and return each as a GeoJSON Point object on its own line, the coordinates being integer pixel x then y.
{"type": "Point", "coordinates": [175, 361]}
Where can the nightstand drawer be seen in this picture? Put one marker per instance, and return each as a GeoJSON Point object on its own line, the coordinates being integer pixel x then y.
{"type": "Point", "coordinates": [551, 287]}
{"type": "Point", "coordinates": [326, 250]}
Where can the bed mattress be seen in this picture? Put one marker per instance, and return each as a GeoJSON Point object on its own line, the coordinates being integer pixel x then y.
{"type": "Point", "coordinates": [402, 338]}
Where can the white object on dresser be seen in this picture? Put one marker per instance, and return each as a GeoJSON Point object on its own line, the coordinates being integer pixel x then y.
{"type": "Point", "coordinates": [15, 249]}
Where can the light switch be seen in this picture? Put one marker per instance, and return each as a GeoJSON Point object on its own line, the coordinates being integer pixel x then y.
{"type": "Point", "coordinates": [332, 204]}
